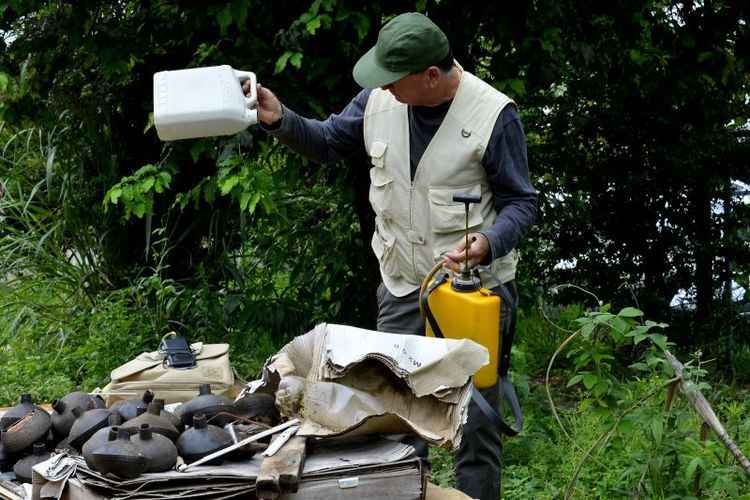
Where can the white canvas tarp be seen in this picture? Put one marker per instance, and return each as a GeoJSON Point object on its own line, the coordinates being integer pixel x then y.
{"type": "Point", "coordinates": [341, 380]}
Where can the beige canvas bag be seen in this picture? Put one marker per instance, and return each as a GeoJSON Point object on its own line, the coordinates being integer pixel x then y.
{"type": "Point", "coordinates": [149, 371]}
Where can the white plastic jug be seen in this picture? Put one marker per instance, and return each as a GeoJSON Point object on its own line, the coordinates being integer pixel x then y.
{"type": "Point", "coordinates": [203, 102]}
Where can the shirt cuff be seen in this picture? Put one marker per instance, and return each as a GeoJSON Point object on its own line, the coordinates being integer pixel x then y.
{"type": "Point", "coordinates": [491, 237]}
{"type": "Point", "coordinates": [278, 125]}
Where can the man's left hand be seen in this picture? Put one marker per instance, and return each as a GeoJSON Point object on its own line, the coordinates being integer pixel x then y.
{"type": "Point", "coordinates": [479, 249]}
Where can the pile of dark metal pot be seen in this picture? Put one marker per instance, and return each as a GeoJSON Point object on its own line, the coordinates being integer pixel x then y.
{"type": "Point", "coordinates": [132, 436]}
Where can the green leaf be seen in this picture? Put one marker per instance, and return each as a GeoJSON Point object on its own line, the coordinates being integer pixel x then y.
{"type": "Point", "coordinates": [196, 149]}
{"type": "Point", "coordinates": [114, 195]}
{"type": "Point", "coordinates": [162, 181]}
{"type": "Point", "coordinates": [149, 123]}
{"type": "Point", "coordinates": [636, 56]}
{"type": "Point", "coordinates": [281, 62]}
{"type": "Point", "coordinates": [601, 388]}
{"type": "Point", "coordinates": [361, 24]}
{"type": "Point", "coordinates": [630, 312]}
{"type": "Point", "coordinates": [691, 467]}
{"type": "Point", "coordinates": [518, 87]}
{"type": "Point", "coordinates": [140, 209]}
{"type": "Point", "coordinates": [660, 340]}
{"type": "Point", "coordinates": [705, 56]}
{"type": "Point", "coordinates": [587, 330]}
{"type": "Point", "coordinates": [657, 429]}
{"type": "Point", "coordinates": [147, 184]}
{"type": "Point", "coordinates": [638, 338]}
{"type": "Point", "coordinates": [626, 427]}
{"type": "Point", "coordinates": [228, 184]}
{"type": "Point", "coordinates": [244, 200]}
{"type": "Point", "coordinates": [313, 25]}
{"type": "Point", "coordinates": [619, 324]}
{"type": "Point", "coordinates": [225, 18]}
{"type": "Point", "coordinates": [638, 330]}
{"type": "Point", "coordinates": [590, 380]}
{"type": "Point", "coordinates": [574, 380]}
{"type": "Point", "coordinates": [254, 202]}
{"type": "Point", "coordinates": [239, 11]}
{"type": "Point", "coordinates": [639, 366]}
{"type": "Point", "coordinates": [603, 318]}
{"type": "Point", "coordinates": [296, 60]}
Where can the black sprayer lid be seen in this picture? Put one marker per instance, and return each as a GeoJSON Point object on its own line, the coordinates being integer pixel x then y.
{"type": "Point", "coordinates": [26, 398]}
{"type": "Point", "coordinates": [204, 389]}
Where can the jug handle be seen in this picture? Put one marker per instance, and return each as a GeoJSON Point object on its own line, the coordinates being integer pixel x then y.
{"type": "Point", "coordinates": [243, 76]}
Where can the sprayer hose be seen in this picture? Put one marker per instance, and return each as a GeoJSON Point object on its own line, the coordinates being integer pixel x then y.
{"type": "Point", "coordinates": [426, 282]}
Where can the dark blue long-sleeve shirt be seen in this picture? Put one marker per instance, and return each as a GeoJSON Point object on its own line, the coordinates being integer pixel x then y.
{"type": "Point", "coordinates": [341, 136]}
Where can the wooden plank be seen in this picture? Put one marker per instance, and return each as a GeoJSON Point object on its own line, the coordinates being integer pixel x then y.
{"type": "Point", "coordinates": [281, 472]}
{"type": "Point", "coordinates": [703, 408]}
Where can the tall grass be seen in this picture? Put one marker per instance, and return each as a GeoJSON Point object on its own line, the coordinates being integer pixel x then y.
{"type": "Point", "coordinates": [61, 325]}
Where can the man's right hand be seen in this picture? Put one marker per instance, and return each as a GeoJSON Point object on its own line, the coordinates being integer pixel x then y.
{"type": "Point", "coordinates": [269, 106]}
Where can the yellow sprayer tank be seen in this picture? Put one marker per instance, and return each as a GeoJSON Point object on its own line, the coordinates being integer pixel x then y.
{"type": "Point", "coordinates": [458, 307]}
{"type": "Point", "coordinates": [473, 315]}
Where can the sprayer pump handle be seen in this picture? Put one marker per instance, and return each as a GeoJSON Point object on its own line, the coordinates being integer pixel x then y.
{"type": "Point", "coordinates": [467, 198]}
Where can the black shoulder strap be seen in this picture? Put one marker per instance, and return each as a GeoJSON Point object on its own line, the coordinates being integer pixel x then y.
{"type": "Point", "coordinates": [509, 394]}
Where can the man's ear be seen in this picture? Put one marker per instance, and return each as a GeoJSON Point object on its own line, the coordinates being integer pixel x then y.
{"type": "Point", "coordinates": [433, 76]}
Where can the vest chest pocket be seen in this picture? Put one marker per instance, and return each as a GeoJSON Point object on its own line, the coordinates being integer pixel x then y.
{"type": "Point", "coordinates": [381, 183]}
{"type": "Point", "coordinates": [448, 216]}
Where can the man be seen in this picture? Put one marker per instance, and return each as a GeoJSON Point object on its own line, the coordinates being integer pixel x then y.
{"type": "Point", "coordinates": [431, 130]}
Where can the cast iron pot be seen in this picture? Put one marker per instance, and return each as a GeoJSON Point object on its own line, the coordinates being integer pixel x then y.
{"type": "Point", "coordinates": [62, 410]}
{"type": "Point", "coordinates": [24, 407]}
{"type": "Point", "coordinates": [101, 436]}
{"type": "Point", "coordinates": [120, 457]}
{"type": "Point", "coordinates": [128, 409]}
{"type": "Point", "coordinates": [64, 447]}
{"type": "Point", "coordinates": [23, 467]}
{"type": "Point", "coordinates": [160, 452]}
{"type": "Point", "coordinates": [174, 419]}
{"type": "Point", "coordinates": [7, 459]}
{"type": "Point", "coordinates": [25, 432]}
{"type": "Point", "coordinates": [209, 405]}
{"type": "Point", "coordinates": [98, 440]}
{"type": "Point", "coordinates": [157, 423]}
{"type": "Point", "coordinates": [86, 424]}
{"type": "Point", "coordinates": [259, 407]}
{"type": "Point", "coordinates": [201, 440]}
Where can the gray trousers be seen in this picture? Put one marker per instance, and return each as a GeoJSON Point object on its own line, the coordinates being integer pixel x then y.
{"type": "Point", "coordinates": [479, 458]}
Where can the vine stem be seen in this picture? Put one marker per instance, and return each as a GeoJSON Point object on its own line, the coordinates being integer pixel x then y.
{"type": "Point", "coordinates": [546, 382]}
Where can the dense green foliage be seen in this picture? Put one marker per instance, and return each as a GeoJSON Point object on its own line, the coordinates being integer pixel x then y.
{"type": "Point", "coordinates": [637, 122]}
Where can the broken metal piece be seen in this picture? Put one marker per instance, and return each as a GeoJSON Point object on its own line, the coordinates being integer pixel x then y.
{"type": "Point", "coordinates": [229, 449]}
{"type": "Point", "coordinates": [280, 441]}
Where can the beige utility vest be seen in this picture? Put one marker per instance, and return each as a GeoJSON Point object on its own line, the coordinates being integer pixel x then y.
{"type": "Point", "coordinates": [417, 222]}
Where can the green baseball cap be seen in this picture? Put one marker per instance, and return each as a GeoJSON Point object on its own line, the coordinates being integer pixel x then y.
{"type": "Point", "coordinates": [406, 44]}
